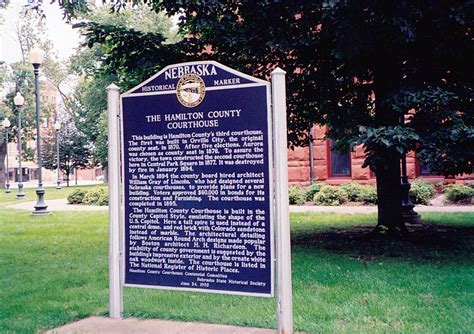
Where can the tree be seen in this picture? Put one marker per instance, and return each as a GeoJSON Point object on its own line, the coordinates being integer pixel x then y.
{"type": "Point", "coordinates": [88, 103]}
{"type": "Point", "coordinates": [89, 106]}
{"type": "Point", "coordinates": [20, 76]}
{"type": "Point", "coordinates": [74, 149]}
{"type": "Point", "coordinates": [30, 30]}
{"type": "Point", "coordinates": [357, 67]}
{"type": "Point", "coordinates": [409, 56]}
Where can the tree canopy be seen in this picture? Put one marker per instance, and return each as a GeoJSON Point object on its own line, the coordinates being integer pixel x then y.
{"type": "Point", "coordinates": [393, 76]}
{"type": "Point", "coordinates": [339, 55]}
{"type": "Point", "coordinates": [18, 77]}
{"type": "Point", "coordinates": [91, 64]}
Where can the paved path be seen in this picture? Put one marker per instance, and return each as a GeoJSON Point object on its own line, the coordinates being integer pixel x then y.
{"type": "Point", "coordinates": [62, 205]}
{"type": "Point", "coordinates": [52, 184]}
{"type": "Point", "coordinates": [57, 205]}
{"type": "Point", "coordinates": [132, 325]}
{"type": "Point", "coordinates": [373, 209]}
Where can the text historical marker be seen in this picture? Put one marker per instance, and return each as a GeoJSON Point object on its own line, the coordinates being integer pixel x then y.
{"type": "Point", "coordinates": [196, 147]}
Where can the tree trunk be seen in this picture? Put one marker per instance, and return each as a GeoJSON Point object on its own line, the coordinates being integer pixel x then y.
{"type": "Point", "coordinates": [387, 72]}
{"type": "Point", "coordinates": [389, 197]}
{"type": "Point", "coordinates": [68, 173]}
{"type": "Point", "coordinates": [75, 175]}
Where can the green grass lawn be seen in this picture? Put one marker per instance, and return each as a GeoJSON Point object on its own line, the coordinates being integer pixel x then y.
{"type": "Point", "coordinates": [30, 194]}
{"type": "Point", "coordinates": [53, 270]}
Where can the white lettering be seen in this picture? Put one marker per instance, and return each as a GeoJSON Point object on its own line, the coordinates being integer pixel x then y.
{"type": "Point", "coordinates": [200, 69]}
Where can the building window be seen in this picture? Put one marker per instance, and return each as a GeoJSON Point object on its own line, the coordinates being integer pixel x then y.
{"type": "Point", "coordinates": [425, 169]}
{"type": "Point", "coordinates": [340, 163]}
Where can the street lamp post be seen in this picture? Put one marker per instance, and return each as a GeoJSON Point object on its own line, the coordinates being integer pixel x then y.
{"type": "Point", "coordinates": [19, 101]}
{"type": "Point", "coordinates": [57, 127]}
{"type": "Point", "coordinates": [36, 58]}
{"type": "Point", "coordinates": [408, 214]}
{"type": "Point", "coordinates": [6, 124]}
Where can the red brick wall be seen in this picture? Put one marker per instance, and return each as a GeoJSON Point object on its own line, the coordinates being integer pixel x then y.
{"type": "Point", "coordinates": [88, 174]}
{"type": "Point", "coordinates": [299, 165]}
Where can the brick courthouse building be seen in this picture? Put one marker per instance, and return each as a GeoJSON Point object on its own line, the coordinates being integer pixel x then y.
{"type": "Point", "coordinates": [337, 168]}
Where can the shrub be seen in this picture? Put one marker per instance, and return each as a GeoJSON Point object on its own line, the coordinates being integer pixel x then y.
{"type": "Point", "coordinates": [76, 196]}
{"type": "Point", "coordinates": [354, 191]}
{"type": "Point", "coordinates": [357, 192]}
{"type": "Point", "coordinates": [96, 196]}
{"type": "Point", "coordinates": [459, 194]}
{"type": "Point", "coordinates": [421, 192]}
{"type": "Point", "coordinates": [330, 195]}
{"type": "Point", "coordinates": [369, 195]}
{"type": "Point", "coordinates": [311, 191]}
{"type": "Point", "coordinates": [296, 195]}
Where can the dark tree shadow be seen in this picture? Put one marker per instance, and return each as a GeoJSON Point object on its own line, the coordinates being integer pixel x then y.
{"type": "Point", "coordinates": [424, 242]}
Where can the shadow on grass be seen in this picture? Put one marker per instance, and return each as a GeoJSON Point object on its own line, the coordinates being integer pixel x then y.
{"type": "Point", "coordinates": [425, 242]}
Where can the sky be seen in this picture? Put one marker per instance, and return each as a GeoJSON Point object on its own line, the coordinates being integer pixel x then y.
{"type": "Point", "coordinates": [65, 38]}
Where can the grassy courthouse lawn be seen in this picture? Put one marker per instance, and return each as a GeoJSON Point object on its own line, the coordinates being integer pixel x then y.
{"type": "Point", "coordinates": [53, 270]}
{"type": "Point", "coordinates": [30, 193]}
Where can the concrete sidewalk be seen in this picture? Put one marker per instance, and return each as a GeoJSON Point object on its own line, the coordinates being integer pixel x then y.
{"type": "Point", "coordinates": [131, 326]}
{"type": "Point", "coordinates": [52, 184]}
{"type": "Point", "coordinates": [63, 205]}
{"type": "Point", "coordinates": [373, 208]}
{"type": "Point", "coordinates": [57, 205]}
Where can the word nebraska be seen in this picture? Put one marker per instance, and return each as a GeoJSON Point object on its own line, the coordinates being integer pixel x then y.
{"type": "Point", "coordinates": [201, 70]}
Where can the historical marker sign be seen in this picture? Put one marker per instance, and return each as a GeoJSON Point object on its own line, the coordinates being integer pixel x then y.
{"type": "Point", "coordinates": [197, 185]}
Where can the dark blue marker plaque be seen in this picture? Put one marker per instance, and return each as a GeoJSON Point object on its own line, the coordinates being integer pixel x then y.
{"type": "Point", "coordinates": [197, 187]}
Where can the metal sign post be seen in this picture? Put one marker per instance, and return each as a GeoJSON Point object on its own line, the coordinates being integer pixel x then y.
{"type": "Point", "coordinates": [115, 282]}
{"type": "Point", "coordinates": [283, 246]}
